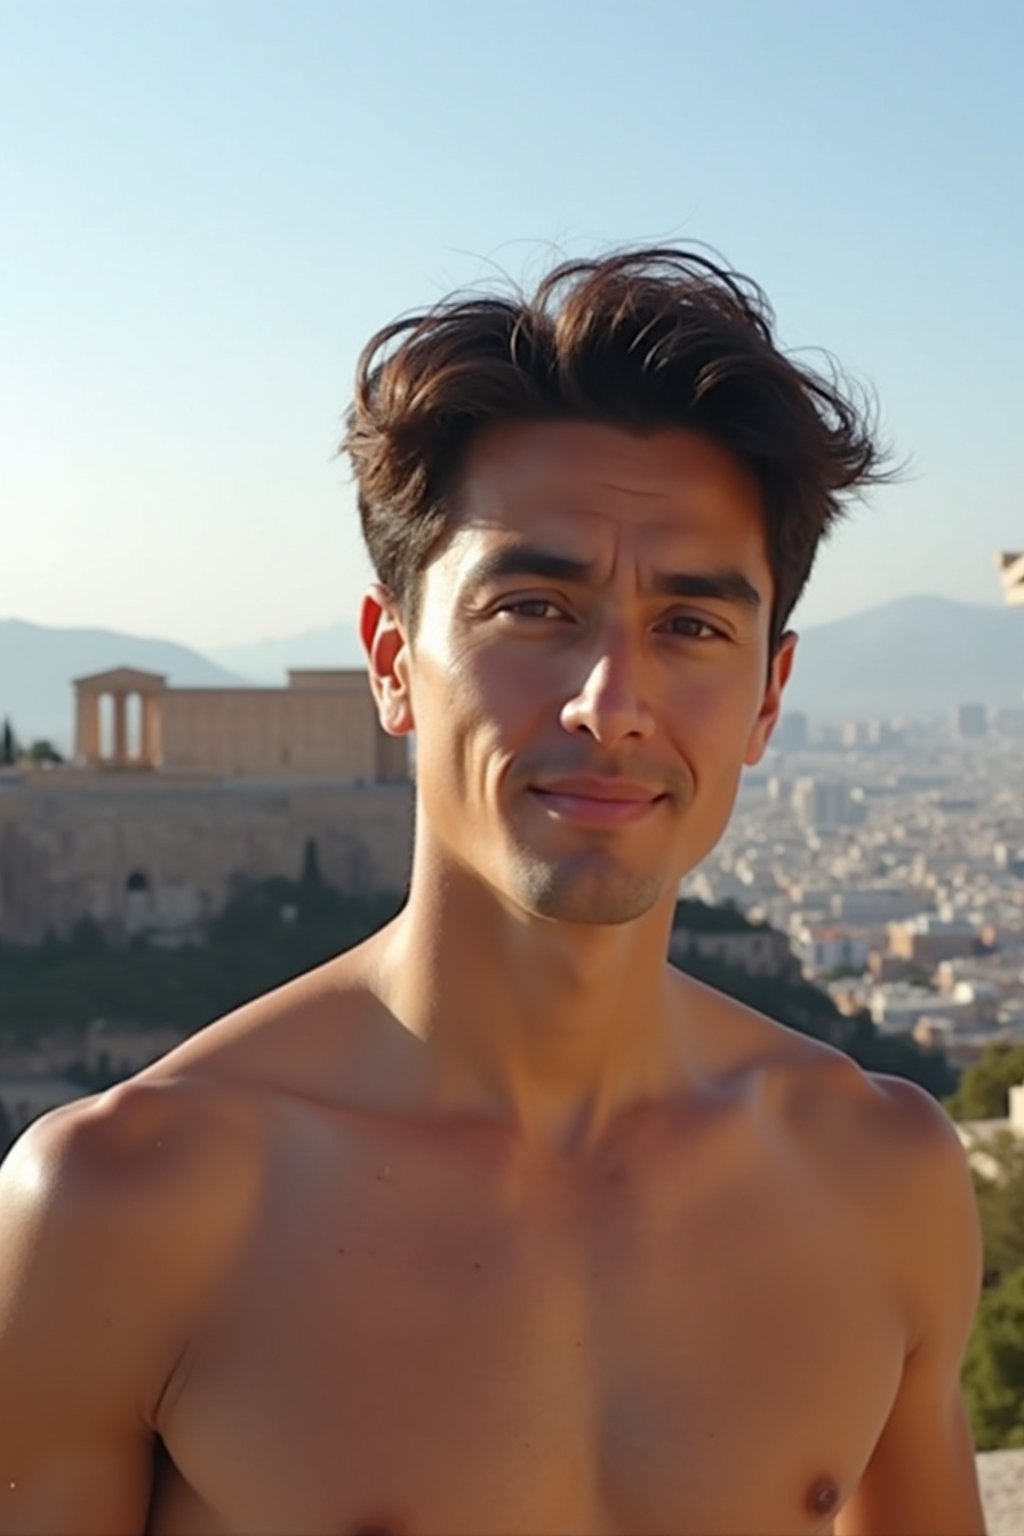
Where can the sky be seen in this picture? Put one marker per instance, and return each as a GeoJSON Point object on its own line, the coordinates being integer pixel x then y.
{"type": "Point", "coordinates": [209, 205]}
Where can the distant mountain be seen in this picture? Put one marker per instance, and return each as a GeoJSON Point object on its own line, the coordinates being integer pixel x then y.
{"type": "Point", "coordinates": [267, 661]}
{"type": "Point", "coordinates": [915, 656]}
{"type": "Point", "coordinates": [37, 664]}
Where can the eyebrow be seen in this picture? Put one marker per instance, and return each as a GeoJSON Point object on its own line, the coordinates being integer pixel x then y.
{"type": "Point", "coordinates": [728, 586]}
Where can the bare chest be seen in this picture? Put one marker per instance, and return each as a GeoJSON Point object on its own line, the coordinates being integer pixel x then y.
{"type": "Point", "coordinates": [417, 1348]}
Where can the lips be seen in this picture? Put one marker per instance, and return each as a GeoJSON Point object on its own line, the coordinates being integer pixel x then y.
{"type": "Point", "coordinates": [597, 802]}
{"type": "Point", "coordinates": [613, 791]}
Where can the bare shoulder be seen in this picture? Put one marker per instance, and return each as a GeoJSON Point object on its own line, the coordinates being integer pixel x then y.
{"type": "Point", "coordinates": [888, 1150]}
{"type": "Point", "coordinates": [888, 1127]}
{"type": "Point", "coordinates": [145, 1180]}
{"type": "Point", "coordinates": [117, 1208]}
{"type": "Point", "coordinates": [139, 1141]}
{"type": "Point", "coordinates": [883, 1117]}
{"type": "Point", "coordinates": [822, 1092]}
{"type": "Point", "coordinates": [896, 1166]}
{"type": "Point", "coordinates": [114, 1215]}
{"type": "Point", "coordinates": [890, 1132]}
{"type": "Point", "coordinates": [931, 1219]}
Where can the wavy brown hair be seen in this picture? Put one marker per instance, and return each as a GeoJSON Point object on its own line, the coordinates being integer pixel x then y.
{"type": "Point", "coordinates": [640, 339]}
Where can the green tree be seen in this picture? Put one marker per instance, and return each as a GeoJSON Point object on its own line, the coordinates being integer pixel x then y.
{"type": "Point", "coordinates": [9, 748]}
{"type": "Point", "coordinates": [699, 917]}
{"type": "Point", "coordinates": [314, 894]}
{"type": "Point", "coordinates": [1000, 1198]}
{"type": "Point", "coordinates": [311, 879]}
{"type": "Point", "coordinates": [993, 1375]}
{"type": "Point", "coordinates": [43, 752]}
{"type": "Point", "coordinates": [984, 1091]}
{"type": "Point", "coordinates": [842, 972]}
{"type": "Point", "coordinates": [86, 938]}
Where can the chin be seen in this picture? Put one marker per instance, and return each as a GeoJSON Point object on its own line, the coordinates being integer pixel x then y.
{"type": "Point", "coordinates": [594, 898]}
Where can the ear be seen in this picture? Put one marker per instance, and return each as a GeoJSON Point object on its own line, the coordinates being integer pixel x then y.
{"type": "Point", "coordinates": [382, 632]}
{"type": "Point", "coordinates": [771, 704]}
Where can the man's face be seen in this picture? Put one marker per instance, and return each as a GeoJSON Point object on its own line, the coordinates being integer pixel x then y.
{"type": "Point", "coordinates": [591, 666]}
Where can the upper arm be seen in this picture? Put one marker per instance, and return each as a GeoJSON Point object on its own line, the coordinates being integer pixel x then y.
{"type": "Point", "coordinates": [921, 1479]}
{"type": "Point", "coordinates": [75, 1451]}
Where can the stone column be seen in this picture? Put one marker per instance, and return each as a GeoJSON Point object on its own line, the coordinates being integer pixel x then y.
{"type": "Point", "coordinates": [150, 730]}
{"type": "Point", "coordinates": [87, 726]}
{"type": "Point", "coordinates": [92, 728]}
{"type": "Point", "coordinates": [120, 729]}
{"type": "Point", "coordinates": [79, 726]}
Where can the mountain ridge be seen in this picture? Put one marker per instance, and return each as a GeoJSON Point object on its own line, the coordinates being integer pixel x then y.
{"type": "Point", "coordinates": [918, 655]}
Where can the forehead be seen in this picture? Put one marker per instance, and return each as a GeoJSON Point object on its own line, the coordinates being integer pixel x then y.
{"type": "Point", "coordinates": [594, 488]}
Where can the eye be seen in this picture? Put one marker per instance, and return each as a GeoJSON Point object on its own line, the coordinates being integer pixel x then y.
{"type": "Point", "coordinates": [532, 608]}
{"type": "Point", "coordinates": [686, 627]}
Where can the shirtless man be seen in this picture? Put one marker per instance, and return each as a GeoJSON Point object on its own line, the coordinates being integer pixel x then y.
{"type": "Point", "coordinates": [497, 1225]}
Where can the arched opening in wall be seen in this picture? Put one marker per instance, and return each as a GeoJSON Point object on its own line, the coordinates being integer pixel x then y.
{"type": "Point", "coordinates": [106, 714]}
{"type": "Point", "coordinates": [133, 716]}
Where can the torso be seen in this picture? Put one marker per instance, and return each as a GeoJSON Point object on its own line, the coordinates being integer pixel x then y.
{"type": "Point", "coordinates": [423, 1330]}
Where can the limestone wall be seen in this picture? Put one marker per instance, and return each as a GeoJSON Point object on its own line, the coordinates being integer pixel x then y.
{"type": "Point", "coordinates": [273, 730]}
{"type": "Point", "coordinates": [136, 848]}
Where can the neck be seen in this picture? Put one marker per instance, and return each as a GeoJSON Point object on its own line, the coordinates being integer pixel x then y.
{"type": "Point", "coordinates": [551, 1029]}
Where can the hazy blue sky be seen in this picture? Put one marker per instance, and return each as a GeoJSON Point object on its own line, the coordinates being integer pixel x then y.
{"type": "Point", "coordinates": [209, 205]}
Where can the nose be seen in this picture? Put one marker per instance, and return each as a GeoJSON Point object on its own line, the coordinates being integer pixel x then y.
{"type": "Point", "coordinates": [611, 703]}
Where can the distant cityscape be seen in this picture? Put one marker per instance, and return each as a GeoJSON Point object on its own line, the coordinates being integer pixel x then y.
{"type": "Point", "coordinates": [891, 854]}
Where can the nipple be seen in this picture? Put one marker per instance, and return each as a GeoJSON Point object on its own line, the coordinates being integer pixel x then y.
{"type": "Point", "coordinates": [824, 1496]}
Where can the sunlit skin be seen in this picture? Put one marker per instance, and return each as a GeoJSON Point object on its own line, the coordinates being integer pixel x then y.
{"type": "Point", "coordinates": [497, 1222]}
{"type": "Point", "coordinates": [557, 931]}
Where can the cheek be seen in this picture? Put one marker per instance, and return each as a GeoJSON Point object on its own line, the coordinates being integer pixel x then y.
{"type": "Point", "coordinates": [505, 700]}
{"type": "Point", "coordinates": [472, 717]}
{"type": "Point", "coordinates": [712, 717]}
